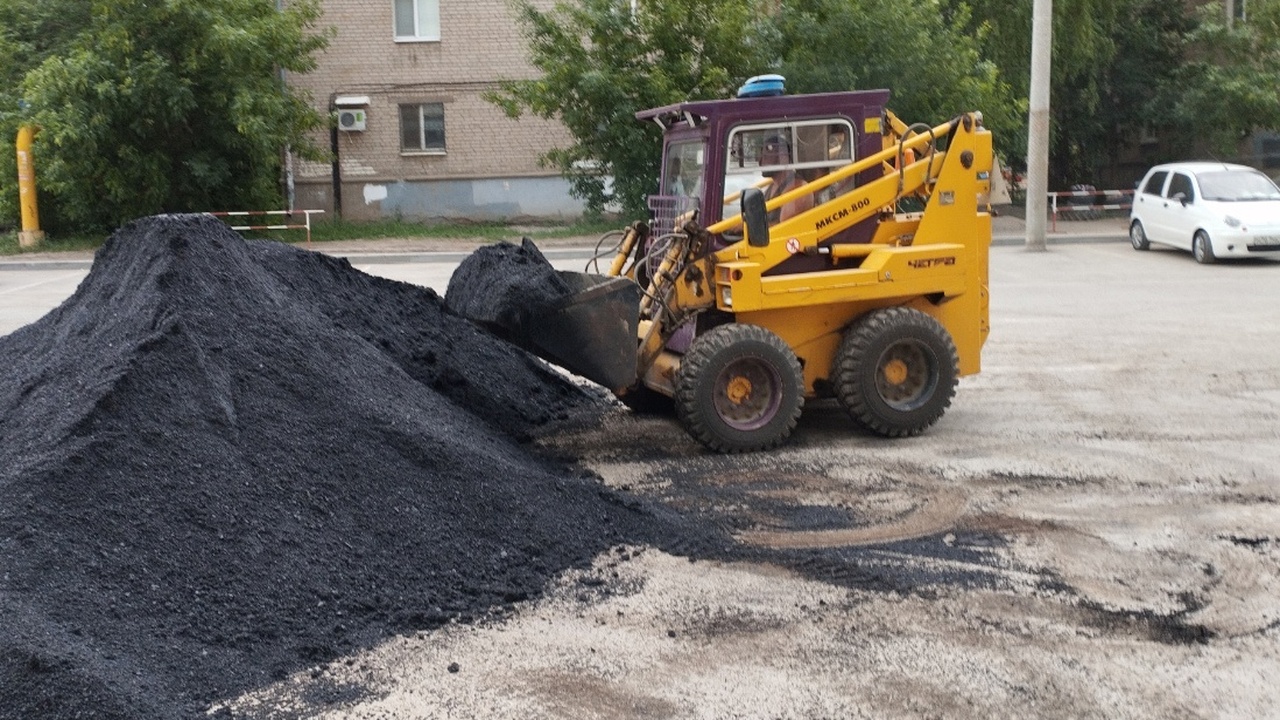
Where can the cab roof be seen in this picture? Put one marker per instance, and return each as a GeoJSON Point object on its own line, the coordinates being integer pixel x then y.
{"type": "Point", "coordinates": [781, 107]}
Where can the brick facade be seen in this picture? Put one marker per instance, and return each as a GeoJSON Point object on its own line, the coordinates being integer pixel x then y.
{"type": "Point", "coordinates": [486, 154]}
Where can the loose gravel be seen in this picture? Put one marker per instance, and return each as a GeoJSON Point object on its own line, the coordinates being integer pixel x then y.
{"type": "Point", "coordinates": [223, 461]}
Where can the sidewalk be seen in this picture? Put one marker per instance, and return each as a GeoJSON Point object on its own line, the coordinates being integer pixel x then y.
{"type": "Point", "coordinates": [1011, 230]}
{"type": "Point", "coordinates": [1006, 230]}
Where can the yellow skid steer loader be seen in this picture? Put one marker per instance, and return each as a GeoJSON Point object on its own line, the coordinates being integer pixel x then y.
{"type": "Point", "coordinates": [803, 246]}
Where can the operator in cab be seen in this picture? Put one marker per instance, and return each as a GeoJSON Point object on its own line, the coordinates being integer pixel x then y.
{"type": "Point", "coordinates": [775, 155]}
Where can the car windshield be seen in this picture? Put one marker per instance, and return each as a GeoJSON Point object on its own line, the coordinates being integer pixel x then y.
{"type": "Point", "coordinates": [1237, 185]}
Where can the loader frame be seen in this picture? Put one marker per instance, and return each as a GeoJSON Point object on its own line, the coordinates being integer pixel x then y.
{"type": "Point", "coordinates": [834, 284]}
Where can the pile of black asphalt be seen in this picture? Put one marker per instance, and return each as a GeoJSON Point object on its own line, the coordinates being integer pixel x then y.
{"type": "Point", "coordinates": [225, 461]}
{"type": "Point", "coordinates": [503, 286]}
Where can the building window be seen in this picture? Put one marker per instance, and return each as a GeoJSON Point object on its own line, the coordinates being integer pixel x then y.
{"type": "Point", "coordinates": [422, 128]}
{"type": "Point", "coordinates": [417, 19]}
{"type": "Point", "coordinates": [1236, 10]}
{"type": "Point", "coordinates": [1270, 151]}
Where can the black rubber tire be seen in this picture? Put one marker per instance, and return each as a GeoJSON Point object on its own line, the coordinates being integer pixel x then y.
{"type": "Point", "coordinates": [896, 371]}
{"type": "Point", "coordinates": [739, 388]}
{"type": "Point", "coordinates": [1202, 249]}
{"type": "Point", "coordinates": [1138, 236]}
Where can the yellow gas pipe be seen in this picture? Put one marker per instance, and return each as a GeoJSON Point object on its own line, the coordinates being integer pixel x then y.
{"type": "Point", "coordinates": [31, 234]}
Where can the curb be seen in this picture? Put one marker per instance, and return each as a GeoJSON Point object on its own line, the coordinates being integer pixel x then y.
{"type": "Point", "coordinates": [45, 264]}
{"type": "Point", "coordinates": [1059, 239]}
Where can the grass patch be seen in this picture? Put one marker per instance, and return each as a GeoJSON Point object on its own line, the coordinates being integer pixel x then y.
{"type": "Point", "coordinates": [73, 243]}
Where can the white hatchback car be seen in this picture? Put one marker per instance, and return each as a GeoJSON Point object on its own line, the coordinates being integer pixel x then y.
{"type": "Point", "coordinates": [1215, 210]}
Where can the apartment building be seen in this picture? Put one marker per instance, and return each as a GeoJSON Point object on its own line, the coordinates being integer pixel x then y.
{"type": "Point", "coordinates": [415, 138]}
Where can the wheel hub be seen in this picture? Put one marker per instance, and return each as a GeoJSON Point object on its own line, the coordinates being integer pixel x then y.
{"type": "Point", "coordinates": [895, 371]}
{"type": "Point", "coordinates": [904, 377]}
{"type": "Point", "coordinates": [738, 390]}
{"type": "Point", "coordinates": [745, 394]}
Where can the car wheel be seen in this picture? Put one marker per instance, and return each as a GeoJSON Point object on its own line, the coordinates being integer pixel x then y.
{"type": "Point", "coordinates": [896, 371]}
{"type": "Point", "coordinates": [740, 388]}
{"type": "Point", "coordinates": [1202, 249]}
{"type": "Point", "coordinates": [1138, 236]}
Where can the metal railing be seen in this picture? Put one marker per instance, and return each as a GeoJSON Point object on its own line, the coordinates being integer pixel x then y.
{"type": "Point", "coordinates": [1087, 203]}
{"type": "Point", "coordinates": [305, 225]}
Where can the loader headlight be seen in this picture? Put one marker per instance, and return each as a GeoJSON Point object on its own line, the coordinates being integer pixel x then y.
{"type": "Point", "coordinates": [726, 295]}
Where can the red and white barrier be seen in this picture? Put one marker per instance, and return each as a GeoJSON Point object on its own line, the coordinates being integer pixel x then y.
{"type": "Point", "coordinates": [1107, 195]}
{"type": "Point", "coordinates": [306, 225]}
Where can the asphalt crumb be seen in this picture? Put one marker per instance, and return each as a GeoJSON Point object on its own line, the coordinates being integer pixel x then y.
{"type": "Point", "coordinates": [223, 462]}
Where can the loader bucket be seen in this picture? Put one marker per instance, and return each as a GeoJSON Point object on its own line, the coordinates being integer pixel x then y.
{"type": "Point", "coordinates": [582, 322]}
{"type": "Point", "coordinates": [591, 332]}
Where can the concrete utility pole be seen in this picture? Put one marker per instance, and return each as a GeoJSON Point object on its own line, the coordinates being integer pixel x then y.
{"type": "Point", "coordinates": [1038, 132]}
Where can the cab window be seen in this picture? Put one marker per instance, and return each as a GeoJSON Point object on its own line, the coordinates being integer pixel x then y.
{"type": "Point", "coordinates": [682, 183]}
{"type": "Point", "coordinates": [808, 148]}
{"type": "Point", "coordinates": [682, 169]}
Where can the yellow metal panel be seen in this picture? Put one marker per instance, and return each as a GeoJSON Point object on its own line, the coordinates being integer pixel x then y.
{"type": "Point", "coordinates": [935, 261]}
{"type": "Point", "coordinates": [814, 335]}
{"type": "Point", "coordinates": [661, 375]}
{"type": "Point", "coordinates": [886, 272]}
{"type": "Point", "coordinates": [898, 230]}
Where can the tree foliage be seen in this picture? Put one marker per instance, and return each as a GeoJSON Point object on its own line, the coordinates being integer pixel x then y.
{"type": "Point", "coordinates": [601, 62]}
{"type": "Point", "coordinates": [925, 53]}
{"type": "Point", "coordinates": [1083, 47]}
{"type": "Point", "coordinates": [1140, 86]}
{"type": "Point", "coordinates": [1230, 78]}
{"type": "Point", "coordinates": [1125, 71]}
{"type": "Point", "coordinates": [147, 106]}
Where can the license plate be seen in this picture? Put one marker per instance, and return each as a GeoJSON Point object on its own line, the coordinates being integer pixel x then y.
{"type": "Point", "coordinates": [1266, 241]}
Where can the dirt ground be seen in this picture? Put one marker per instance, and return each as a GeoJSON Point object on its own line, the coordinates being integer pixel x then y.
{"type": "Point", "coordinates": [1090, 532]}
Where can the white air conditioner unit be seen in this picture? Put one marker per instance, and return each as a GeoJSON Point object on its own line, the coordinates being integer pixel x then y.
{"type": "Point", "coordinates": [351, 120]}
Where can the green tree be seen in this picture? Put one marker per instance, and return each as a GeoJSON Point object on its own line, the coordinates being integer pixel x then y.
{"type": "Point", "coordinates": [1141, 89]}
{"type": "Point", "coordinates": [149, 106]}
{"type": "Point", "coordinates": [927, 54]}
{"type": "Point", "coordinates": [1230, 77]}
{"type": "Point", "coordinates": [1128, 69]}
{"type": "Point", "coordinates": [1083, 48]}
{"type": "Point", "coordinates": [29, 33]}
{"type": "Point", "coordinates": [600, 63]}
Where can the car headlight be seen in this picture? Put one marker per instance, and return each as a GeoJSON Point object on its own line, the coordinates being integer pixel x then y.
{"type": "Point", "coordinates": [1231, 221]}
